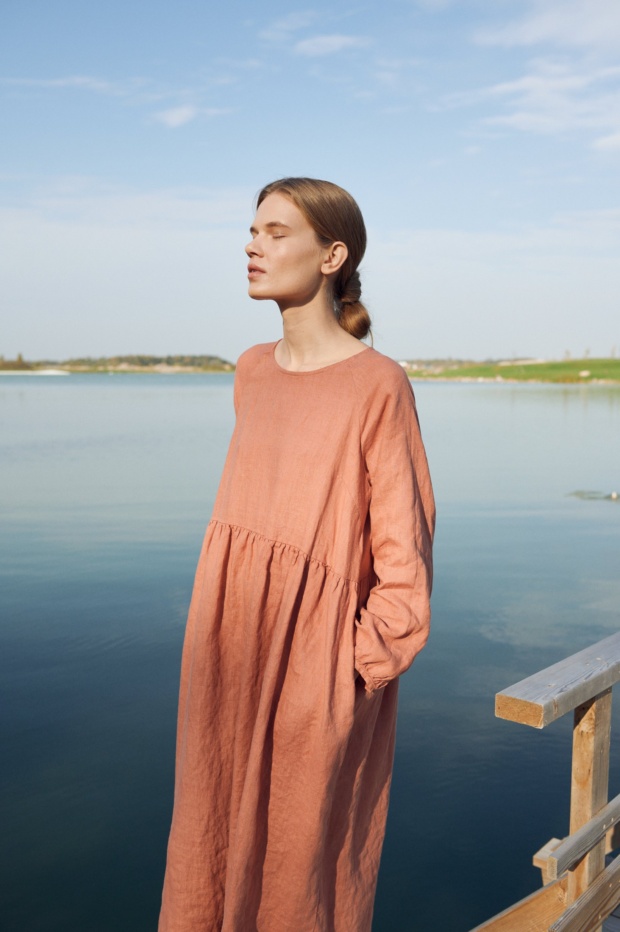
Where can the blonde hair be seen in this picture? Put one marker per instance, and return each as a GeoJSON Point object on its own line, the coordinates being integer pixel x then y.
{"type": "Point", "coordinates": [334, 216]}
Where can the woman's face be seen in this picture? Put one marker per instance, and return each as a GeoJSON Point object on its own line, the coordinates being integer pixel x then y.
{"type": "Point", "coordinates": [285, 254]}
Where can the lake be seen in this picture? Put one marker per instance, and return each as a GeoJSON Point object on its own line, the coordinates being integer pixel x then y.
{"type": "Point", "coordinates": [106, 485]}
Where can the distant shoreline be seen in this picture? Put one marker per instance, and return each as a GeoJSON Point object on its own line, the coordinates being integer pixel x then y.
{"type": "Point", "coordinates": [600, 371]}
{"type": "Point", "coordinates": [166, 365]}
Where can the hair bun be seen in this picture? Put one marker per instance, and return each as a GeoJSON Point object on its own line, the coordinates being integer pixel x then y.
{"type": "Point", "coordinates": [351, 313]}
{"type": "Point", "coordinates": [352, 290]}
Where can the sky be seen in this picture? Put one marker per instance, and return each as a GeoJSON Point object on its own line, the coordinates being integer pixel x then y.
{"type": "Point", "coordinates": [481, 141]}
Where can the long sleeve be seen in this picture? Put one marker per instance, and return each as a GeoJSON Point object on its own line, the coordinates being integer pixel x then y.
{"type": "Point", "coordinates": [393, 625]}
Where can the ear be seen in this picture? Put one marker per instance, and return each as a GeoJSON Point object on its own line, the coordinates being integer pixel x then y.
{"type": "Point", "coordinates": [334, 258]}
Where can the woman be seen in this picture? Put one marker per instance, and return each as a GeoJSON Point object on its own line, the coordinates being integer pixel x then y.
{"type": "Point", "coordinates": [311, 597]}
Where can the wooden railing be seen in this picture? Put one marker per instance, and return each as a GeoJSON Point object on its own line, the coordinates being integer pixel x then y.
{"type": "Point", "coordinates": [579, 892]}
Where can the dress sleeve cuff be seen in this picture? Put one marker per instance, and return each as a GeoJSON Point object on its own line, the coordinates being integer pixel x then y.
{"type": "Point", "coordinates": [371, 683]}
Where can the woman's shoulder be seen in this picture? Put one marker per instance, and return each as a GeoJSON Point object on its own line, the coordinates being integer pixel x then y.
{"type": "Point", "coordinates": [381, 372]}
{"type": "Point", "coordinates": [252, 356]}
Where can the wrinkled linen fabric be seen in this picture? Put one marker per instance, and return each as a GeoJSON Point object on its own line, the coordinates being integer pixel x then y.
{"type": "Point", "coordinates": [311, 597]}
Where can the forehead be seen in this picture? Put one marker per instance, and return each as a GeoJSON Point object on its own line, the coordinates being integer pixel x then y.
{"type": "Point", "coordinates": [279, 209]}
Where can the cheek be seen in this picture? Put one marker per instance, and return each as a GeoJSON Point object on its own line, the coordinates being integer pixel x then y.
{"type": "Point", "coordinates": [309, 260]}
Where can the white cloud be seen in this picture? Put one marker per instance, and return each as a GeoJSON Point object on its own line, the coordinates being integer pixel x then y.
{"type": "Point", "coordinates": [579, 91]}
{"type": "Point", "coordinates": [80, 82]}
{"type": "Point", "coordinates": [329, 45]}
{"type": "Point", "coordinates": [553, 97]}
{"type": "Point", "coordinates": [607, 143]}
{"type": "Point", "coordinates": [566, 23]}
{"type": "Point", "coordinates": [140, 92]}
{"type": "Point", "coordinates": [282, 29]}
{"type": "Point", "coordinates": [177, 116]}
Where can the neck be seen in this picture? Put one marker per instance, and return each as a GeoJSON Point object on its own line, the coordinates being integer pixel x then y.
{"type": "Point", "coordinates": [312, 337]}
{"type": "Point", "coordinates": [307, 330]}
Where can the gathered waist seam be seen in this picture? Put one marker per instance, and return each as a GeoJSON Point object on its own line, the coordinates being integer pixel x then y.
{"type": "Point", "coordinates": [297, 550]}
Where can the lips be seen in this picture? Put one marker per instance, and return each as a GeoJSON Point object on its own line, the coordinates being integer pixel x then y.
{"type": "Point", "coordinates": [255, 269]}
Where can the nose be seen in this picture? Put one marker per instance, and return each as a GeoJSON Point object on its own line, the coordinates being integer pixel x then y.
{"type": "Point", "coordinates": [253, 248]}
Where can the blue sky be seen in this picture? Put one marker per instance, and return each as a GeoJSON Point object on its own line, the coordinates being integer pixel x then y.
{"type": "Point", "coordinates": [482, 141]}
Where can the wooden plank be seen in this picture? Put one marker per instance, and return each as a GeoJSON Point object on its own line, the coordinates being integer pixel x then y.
{"type": "Point", "coordinates": [565, 854]}
{"type": "Point", "coordinates": [541, 859]}
{"type": "Point", "coordinates": [589, 783]}
{"type": "Point", "coordinates": [533, 914]}
{"type": "Point", "coordinates": [588, 912]}
{"type": "Point", "coordinates": [612, 923]}
{"type": "Point", "coordinates": [546, 696]}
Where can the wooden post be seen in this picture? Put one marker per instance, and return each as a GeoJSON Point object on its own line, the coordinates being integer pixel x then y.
{"type": "Point", "coordinates": [589, 782]}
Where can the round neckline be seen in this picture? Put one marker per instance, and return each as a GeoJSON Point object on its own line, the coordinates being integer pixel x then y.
{"type": "Point", "coordinates": [332, 365]}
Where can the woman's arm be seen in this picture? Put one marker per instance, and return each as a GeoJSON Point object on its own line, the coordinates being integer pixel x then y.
{"type": "Point", "coordinates": [393, 625]}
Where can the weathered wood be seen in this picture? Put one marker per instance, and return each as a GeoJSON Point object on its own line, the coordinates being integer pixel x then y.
{"type": "Point", "coordinates": [589, 783]}
{"type": "Point", "coordinates": [588, 912]}
{"type": "Point", "coordinates": [551, 693]}
{"type": "Point", "coordinates": [533, 914]}
{"type": "Point", "coordinates": [542, 859]}
{"type": "Point", "coordinates": [565, 854]}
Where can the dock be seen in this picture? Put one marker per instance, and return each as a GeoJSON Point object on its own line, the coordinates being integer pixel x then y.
{"type": "Point", "coordinates": [580, 876]}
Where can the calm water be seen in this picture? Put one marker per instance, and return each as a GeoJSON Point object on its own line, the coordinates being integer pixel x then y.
{"type": "Point", "coordinates": [106, 484]}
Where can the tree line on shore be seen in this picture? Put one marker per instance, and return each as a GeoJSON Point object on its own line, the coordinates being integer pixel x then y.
{"type": "Point", "coordinates": [132, 362]}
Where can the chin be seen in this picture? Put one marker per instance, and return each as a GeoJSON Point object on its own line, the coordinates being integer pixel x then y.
{"type": "Point", "coordinates": [258, 294]}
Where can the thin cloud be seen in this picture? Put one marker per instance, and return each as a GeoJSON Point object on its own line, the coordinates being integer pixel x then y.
{"type": "Point", "coordinates": [282, 29]}
{"type": "Point", "coordinates": [242, 64]}
{"type": "Point", "coordinates": [180, 116]}
{"type": "Point", "coordinates": [552, 97]}
{"type": "Point", "coordinates": [435, 6]}
{"type": "Point", "coordinates": [329, 45]}
{"type": "Point", "coordinates": [393, 73]}
{"type": "Point", "coordinates": [608, 143]}
{"type": "Point", "coordinates": [177, 116]}
{"type": "Point", "coordinates": [80, 82]}
{"type": "Point", "coordinates": [91, 202]}
{"type": "Point", "coordinates": [558, 99]}
{"type": "Point", "coordinates": [136, 92]}
{"type": "Point", "coordinates": [566, 23]}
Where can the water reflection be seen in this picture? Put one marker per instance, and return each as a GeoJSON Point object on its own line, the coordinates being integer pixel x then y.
{"type": "Point", "coordinates": [106, 485]}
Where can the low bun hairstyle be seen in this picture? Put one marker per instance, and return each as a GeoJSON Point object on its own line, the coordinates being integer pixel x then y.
{"type": "Point", "coordinates": [334, 216]}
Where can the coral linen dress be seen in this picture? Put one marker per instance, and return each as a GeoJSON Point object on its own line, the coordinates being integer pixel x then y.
{"type": "Point", "coordinates": [311, 597]}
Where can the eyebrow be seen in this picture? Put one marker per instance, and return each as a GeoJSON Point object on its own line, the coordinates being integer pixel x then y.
{"type": "Point", "coordinates": [271, 225]}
